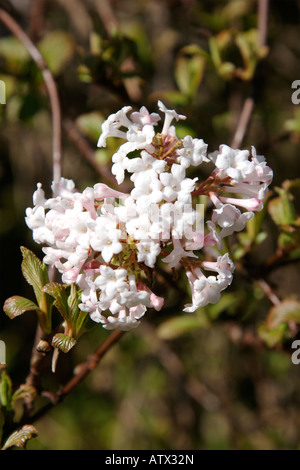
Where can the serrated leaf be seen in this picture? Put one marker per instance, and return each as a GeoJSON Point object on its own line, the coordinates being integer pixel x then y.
{"type": "Point", "coordinates": [63, 342]}
{"type": "Point", "coordinates": [20, 437]}
{"type": "Point", "coordinates": [287, 311]}
{"type": "Point", "coordinates": [57, 48]}
{"type": "Point", "coordinates": [36, 274]}
{"type": "Point", "coordinates": [23, 392]}
{"type": "Point", "coordinates": [59, 292]}
{"type": "Point", "coordinates": [73, 304]}
{"type": "Point", "coordinates": [17, 305]}
{"type": "Point", "coordinates": [83, 323]}
{"type": "Point", "coordinates": [177, 326]}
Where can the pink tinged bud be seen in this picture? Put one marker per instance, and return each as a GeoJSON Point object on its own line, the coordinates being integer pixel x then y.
{"type": "Point", "coordinates": [156, 301]}
{"type": "Point", "coordinates": [103, 191]}
{"type": "Point", "coordinates": [252, 204]}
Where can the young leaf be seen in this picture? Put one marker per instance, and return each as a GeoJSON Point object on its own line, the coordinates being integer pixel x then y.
{"type": "Point", "coordinates": [59, 292]}
{"type": "Point", "coordinates": [36, 274]}
{"type": "Point", "coordinates": [17, 305]}
{"type": "Point", "coordinates": [20, 437]}
{"type": "Point", "coordinates": [63, 342]}
{"type": "Point", "coordinates": [287, 311]}
{"type": "Point", "coordinates": [23, 392]}
{"type": "Point", "coordinates": [83, 323]}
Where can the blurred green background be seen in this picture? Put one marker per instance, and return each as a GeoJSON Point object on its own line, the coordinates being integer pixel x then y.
{"type": "Point", "coordinates": [219, 379]}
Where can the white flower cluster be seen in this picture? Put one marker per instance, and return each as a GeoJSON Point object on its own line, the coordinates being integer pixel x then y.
{"type": "Point", "coordinates": [109, 243]}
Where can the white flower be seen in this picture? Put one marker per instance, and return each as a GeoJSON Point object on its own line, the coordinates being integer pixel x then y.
{"type": "Point", "coordinates": [126, 320]}
{"type": "Point", "coordinates": [193, 152]}
{"type": "Point", "coordinates": [148, 251]}
{"type": "Point", "coordinates": [177, 254]}
{"type": "Point", "coordinates": [147, 186]}
{"type": "Point", "coordinates": [111, 126]}
{"type": "Point", "coordinates": [207, 290]}
{"type": "Point", "coordinates": [170, 114]}
{"type": "Point", "coordinates": [233, 162]}
{"type": "Point", "coordinates": [225, 215]}
{"type": "Point", "coordinates": [176, 185]}
{"type": "Point", "coordinates": [111, 281]}
{"type": "Point", "coordinates": [106, 238]}
{"type": "Point", "coordinates": [143, 117]}
{"type": "Point", "coordinates": [134, 297]}
{"type": "Point", "coordinates": [146, 162]}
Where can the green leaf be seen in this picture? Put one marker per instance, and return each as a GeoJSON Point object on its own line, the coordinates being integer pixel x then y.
{"type": "Point", "coordinates": [287, 311]}
{"type": "Point", "coordinates": [282, 209]}
{"type": "Point", "coordinates": [228, 302]}
{"type": "Point", "coordinates": [57, 48]}
{"type": "Point", "coordinates": [83, 323]}
{"type": "Point", "coordinates": [73, 303]}
{"type": "Point", "coordinates": [14, 53]}
{"type": "Point", "coordinates": [189, 69]}
{"type": "Point", "coordinates": [59, 292]}
{"type": "Point", "coordinates": [36, 274]}
{"type": "Point", "coordinates": [67, 304]}
{"type": "Point", "coordinates": [20, 437]}
{"type": "Point", "coordinates": [274, 336]}
{"type": "Point", "coordinates": [178, 326]}
{"type": "Point", "coordinates": [25, 391]}
{"type": "Point", "coordinates": [63, 342]}
{"type": "Point", "coordinates": [17, 305]}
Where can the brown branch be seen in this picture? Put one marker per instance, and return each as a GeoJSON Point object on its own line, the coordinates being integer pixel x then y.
{"type": "Point", "coordinates": [37, 19]}
{"type": "Point", "coordinates": [81, 371]}
{"type": "Point", "coordinates": [19, 33]}
{"type": "Point", "coordinates": [249, 103]}
{"type": "Point", "coordinates": [268, 291]}
{"type": "Point", "coordinates": [37, 357]}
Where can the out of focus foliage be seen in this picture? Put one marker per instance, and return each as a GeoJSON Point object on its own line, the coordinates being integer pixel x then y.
{"type": "Point", "coordinates": [218, 379]}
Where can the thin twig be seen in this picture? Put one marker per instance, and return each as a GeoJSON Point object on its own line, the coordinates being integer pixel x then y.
{"type": "Point", "coordinates": [37, 19]}
{"type": "Point", "coordinates": [19, 33]}
{"type": "Point", "coordinates": [243, 123]}
{"type": "Point", "coordinates": [269, 292]}
{"type": "Point", "coordinates": [81, 371]}
{"type": "Point", "coordinates": [37, 357]}
{"type": "Point", "coordinates": [249, 103]}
